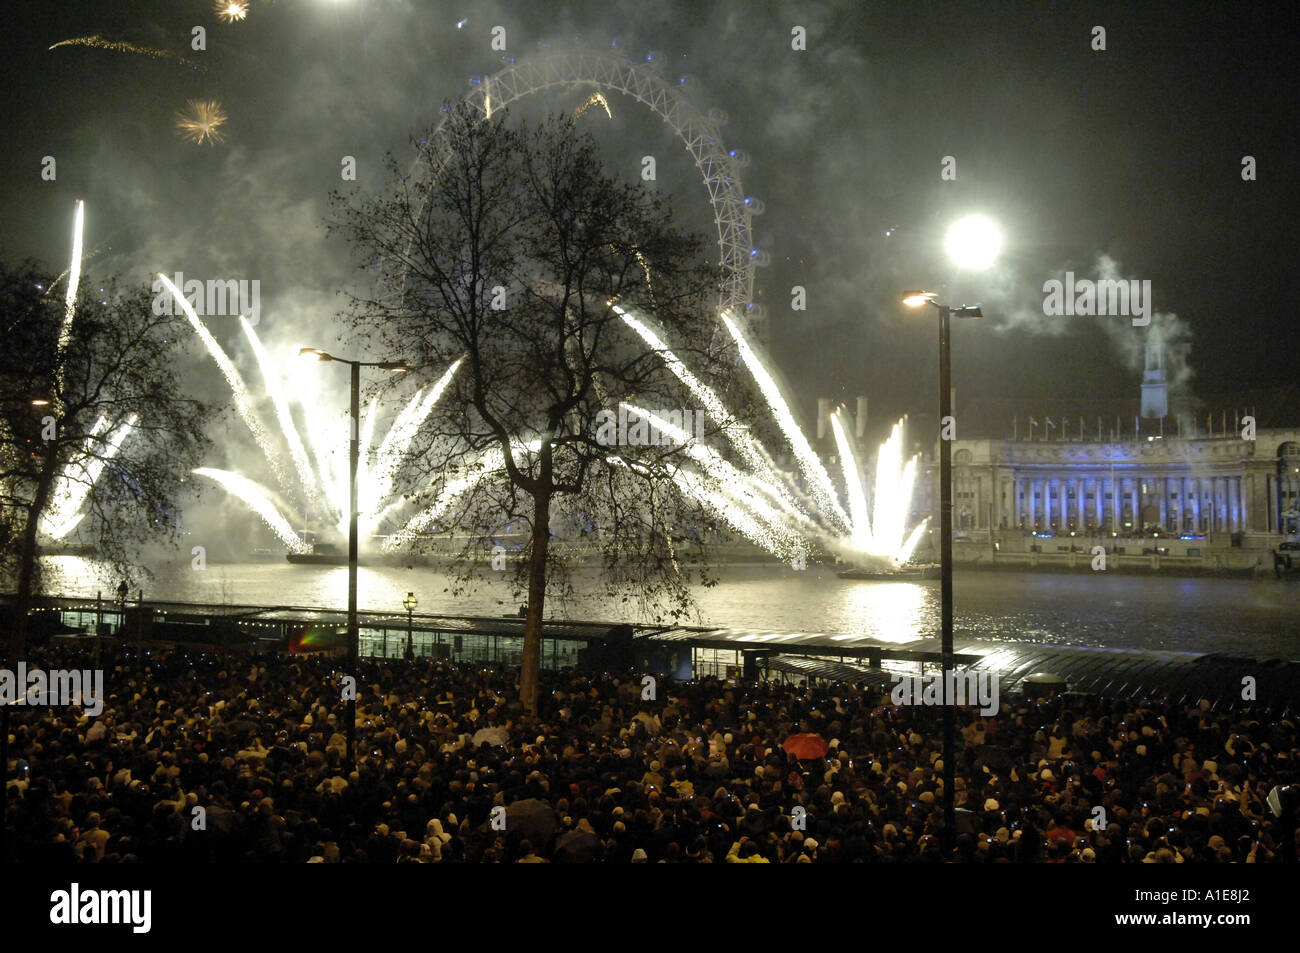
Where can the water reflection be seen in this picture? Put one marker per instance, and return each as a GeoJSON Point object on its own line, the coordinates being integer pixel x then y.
{"type": "Point", "coordinates": [1259, 617]}
{"type": "Point", "coordinates": [888, 611]}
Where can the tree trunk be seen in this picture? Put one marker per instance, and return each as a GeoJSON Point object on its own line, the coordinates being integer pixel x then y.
{"type": "Point", "coordinates": [27, 563]}
{"type": "Point", "coordinates": [532, 661]}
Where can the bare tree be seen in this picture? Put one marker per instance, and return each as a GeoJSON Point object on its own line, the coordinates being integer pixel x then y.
{"type": "Point", "coordinates": [90, 409]}
{"type": "Point", "coordinates": [512, 250]}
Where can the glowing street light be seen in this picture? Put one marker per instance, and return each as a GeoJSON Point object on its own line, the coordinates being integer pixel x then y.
{"type": "Point", "coordinates": [974, 242]}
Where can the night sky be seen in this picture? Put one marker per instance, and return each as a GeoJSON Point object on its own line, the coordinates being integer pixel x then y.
{"type": "Point", "coordinates": [1133, 153]}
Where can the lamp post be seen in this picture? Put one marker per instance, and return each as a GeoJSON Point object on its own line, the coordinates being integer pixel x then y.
{"type": "Point", "coordinates": [410, 602]}
{"type": "Point", "coordinates": [354, 453]}
{"type": "Point", "coordinates": [972, 243]}
{"type": "Point", "coordinates": [916, 299]}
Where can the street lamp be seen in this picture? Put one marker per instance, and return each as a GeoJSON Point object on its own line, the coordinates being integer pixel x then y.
{"type": "Point", "coordinates": [410, 602]}
{"type": "Point", "coordinates": [354, 453]}
{"type": "Point", "coordinates": [972, 243]}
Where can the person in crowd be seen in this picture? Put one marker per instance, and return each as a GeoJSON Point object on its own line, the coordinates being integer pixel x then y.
{"type": "Point", "coordinates": [258, 743]}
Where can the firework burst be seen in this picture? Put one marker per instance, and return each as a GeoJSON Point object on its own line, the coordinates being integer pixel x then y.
{"type": "Point", "coordinates": [199, 123]}
{"type": "Point", "coordinates": [231, 11]}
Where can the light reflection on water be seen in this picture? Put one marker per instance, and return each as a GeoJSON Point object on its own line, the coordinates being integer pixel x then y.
{"type": "Point", "coordinates": [1259, 617]}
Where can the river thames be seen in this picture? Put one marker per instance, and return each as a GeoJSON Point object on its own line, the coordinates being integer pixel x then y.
{"type": "Point", "coordinates": [1257, 617]}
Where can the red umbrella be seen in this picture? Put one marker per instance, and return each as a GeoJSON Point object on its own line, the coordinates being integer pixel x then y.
{"type": "Point", "coordinates": [806, 747]}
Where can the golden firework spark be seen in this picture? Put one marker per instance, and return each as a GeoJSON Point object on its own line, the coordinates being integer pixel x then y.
{"type": "Point", "coordinates": [199, 123]}
{"type": "Point", "coordinates": [231, 11]}
{"type": "Point", "coordinates": [595, 99]}
{"type": "Point", "coordinates": [645, 266]}
{"type": "Point", "coordinates": [97, 42]}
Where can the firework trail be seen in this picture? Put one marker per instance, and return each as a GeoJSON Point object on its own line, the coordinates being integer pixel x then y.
{"type": "Point", "coordinates": [819, 481]}
{"type": "Point", "coordinates": [888, 512]}
{"type": "Point", "coordinates": [884, 535]}
{"type": "Point", "coordinates": [243, 400]}
{"type": "Point", "coordinates": [200, 124]}
{"type": "Point", "coordinates": [489, 462]}
{"type": "Point", "coordinates": [894, 495]}
{"type": "Point", "coordinates": [368, 493]}
{"type": "Point", "coordinates": [318, 436]}
{"type": "Point", "coordinates": [736, 487]}
{"type": "Point", "coordinates": [93, 253]}
{"type": "Point", "coordinates": [74, 275]}
{"type": "Point", "coordinates": [726, 509]}
{"type": "Point", "coordinates": [397, 443]}
{"type": "Point", "coordinates": [256, 498]}
{"type": "Point", "coordinates": [99, 43]}
{"type": "Point", "coordinates": [69, 492]}
{"type": "Point", "coordinates": [70, 299]}
{"type": "Point", "coordinates": [860, 537]}
{"type": "Point", "coordinates": [595, 99]}
{"type": "Point", "coordinates": [275, 388]}
{"type": "Point", "coordinates": [694, 486]}
{"type": "Point", "coordinates": [754, 456]}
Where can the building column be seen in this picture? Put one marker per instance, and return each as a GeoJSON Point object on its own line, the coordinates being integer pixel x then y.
{"type": "Point", "coordinates": [1064, 518]}
{"type": "Point", "coordinates": [1230, 491]}
{"type": "Point", "coordinates": [1196, 505]}
{"type": "Point", "coordinates": [1254, 507]}
{"type": "Point", "coordinates": [1047, 504]}
{"type": "Point", "coordinates": [1081, 501]}
{"type": "Point", "coordinates": [1162, 490]}
{"type": "Point", "coordinates": [1217, 492]}
{"type": "Point", "coordinates": [1244, 486]}
{"type": "Point", "coordinates": [1117, 524]}
{"type": "Point", "coordinates": [1207, 503]}
{"type": "Point", "coordinates": [1135, 490]}
{"type": "Point", "coordinates": [1234, 505]}
{"type": "Point", "coordinates": [1032, 508]}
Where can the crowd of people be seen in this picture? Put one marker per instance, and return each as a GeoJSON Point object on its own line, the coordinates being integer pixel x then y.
{"type": "Point", "coordinates": [231, 758]}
